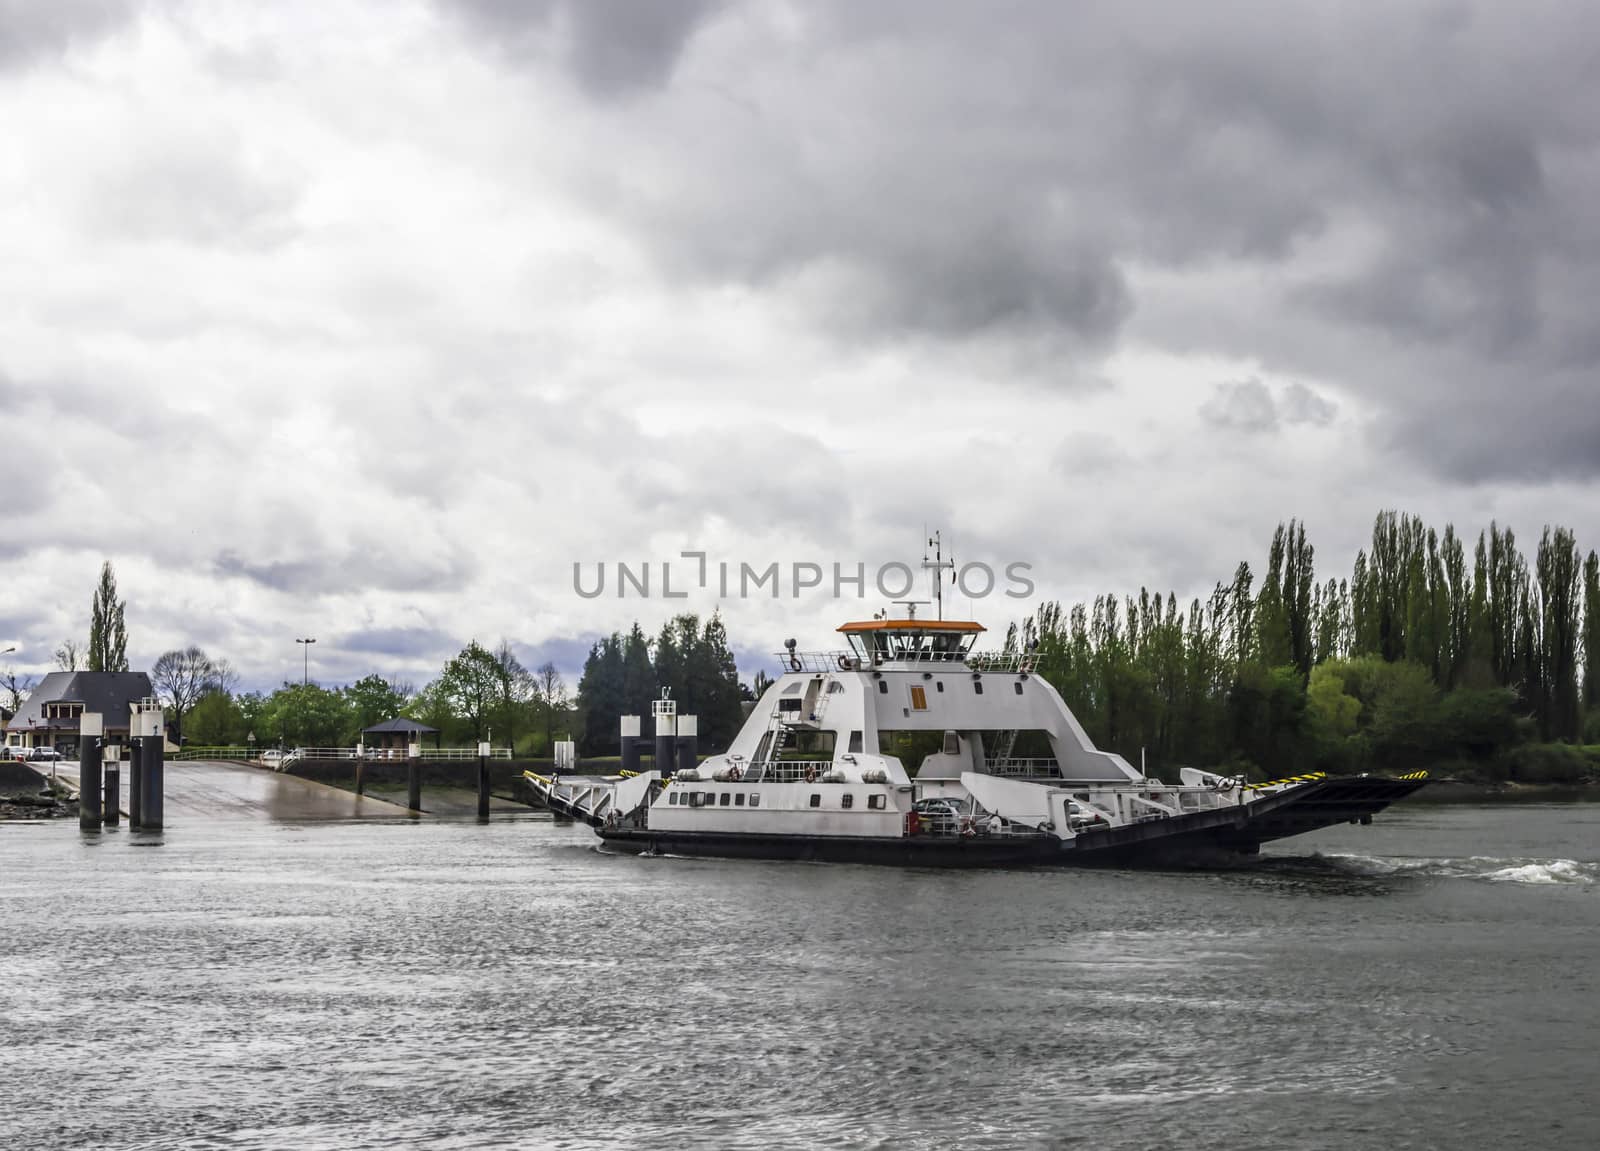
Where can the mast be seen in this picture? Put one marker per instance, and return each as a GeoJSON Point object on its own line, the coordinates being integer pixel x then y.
{"type": "Point", "coordinates": [937, 567]}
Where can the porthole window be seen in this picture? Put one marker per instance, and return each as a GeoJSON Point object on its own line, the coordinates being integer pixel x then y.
{"type": "Point", "coordinates": [755, 799]}
{"type": "Point", "coordinates": [816, 801]}
{"type": "Point", "coordinates": [847, 800]}
{"type": "Point", "coordinates": [672, 798]}
{"type": "Point", "coordinates": [939, 686]}
{"type": "Point", "coordinates": [977, 687]}
{"type": "Point", "coordinates": [876, 802]}
{"type": "Point", "coordinates": [1018, 686]}
{"type": "Point", "coordinates": [738, 799]}
{"type": "Point", "coordinates": [726, 799]}
{"type": "Point", "coordinates": [883, 687]}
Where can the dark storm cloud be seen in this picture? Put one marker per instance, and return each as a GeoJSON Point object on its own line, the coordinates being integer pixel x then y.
{"type": "Point", "coordinates": [335, 571]}
{"type": "Point", "coordinates": [396, 641]}
{"type": "Point", "coordinates": [1411, 183]}
{"type": "Point", "coordinates": [30, 29]}
{"type": "Point", "coordinates": [613, 47]}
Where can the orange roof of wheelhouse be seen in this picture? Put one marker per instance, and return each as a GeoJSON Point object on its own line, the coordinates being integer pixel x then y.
{"type": "Point", "coordinates": [966, 625]}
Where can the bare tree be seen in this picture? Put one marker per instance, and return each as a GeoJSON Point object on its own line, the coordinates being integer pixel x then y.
{"type": "Point", "coordinates": [180, 679]}
{"type": "Point", "coordinates": [223, 678]}
{"type": "Point", "coordinates": [17, 688]}
{"type": "Point", "coordinates": [551, 692]}
{"type": "Point", "coordinates": [69, 655]}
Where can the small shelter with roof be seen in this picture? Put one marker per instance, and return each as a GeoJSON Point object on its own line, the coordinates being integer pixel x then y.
{"type": "Point", "coordinates": [393, 737]}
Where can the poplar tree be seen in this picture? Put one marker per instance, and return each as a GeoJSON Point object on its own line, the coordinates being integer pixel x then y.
{"type": "Point", "coordinates": [1558, 568]}
{"type": "Point", "coordinates": [108, 633]}
{"type": "Point", "coordinates": [1591, 632]}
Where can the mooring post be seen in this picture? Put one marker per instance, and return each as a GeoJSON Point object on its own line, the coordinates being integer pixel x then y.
{"type": "Point", "coordinates": [483, 780]}
{"type": "Point", "coordinates": [113, 797]}
{"type": "Point", "coordinates": [361, 752]}
{"type": "Point", "coordinates": [90, 727]}
{"type": "Point", "coordinates": [414, 779]}
{"type": "Point", "coordinates": [630, 743]}
{"type": "Point", "coordinates": [154, 773]}
{"type": "Point", "coordinates": [135, 773]}
{"type": "Point", "coordinates": [688, 743]}
{"type": "Point", "coordinates": [665, 712]}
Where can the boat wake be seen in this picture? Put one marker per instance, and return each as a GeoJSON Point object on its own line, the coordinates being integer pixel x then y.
{"type": "Point", "coordinates": [1542, 872]}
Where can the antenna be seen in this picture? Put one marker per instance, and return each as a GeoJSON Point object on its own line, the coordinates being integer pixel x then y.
{"type": "Point", "coordinates": [937, 566]}
{"type": "Point", "coordinates": [910, 606]}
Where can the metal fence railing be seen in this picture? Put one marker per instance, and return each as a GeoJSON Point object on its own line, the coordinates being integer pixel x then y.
{"type": "Point", "coordinates": [272, 754]}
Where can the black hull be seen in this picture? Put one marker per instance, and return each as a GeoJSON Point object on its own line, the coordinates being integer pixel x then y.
{"type": "Point", "coordinates": [907, 851]}
{"type": "Point", "coordinates": [1197, 837]}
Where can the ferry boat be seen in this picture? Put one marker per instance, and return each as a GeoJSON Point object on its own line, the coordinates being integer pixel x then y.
{"type": "Point", "coordinates": [1003, 773]}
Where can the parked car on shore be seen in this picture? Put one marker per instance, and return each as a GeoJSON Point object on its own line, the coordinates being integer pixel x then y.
{"type": "Point", "coordinates": [43, 755]}
{"type": "Point", "coordinates": [272, 757]}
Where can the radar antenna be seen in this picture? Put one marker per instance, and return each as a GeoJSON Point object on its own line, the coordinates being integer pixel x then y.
{"type": "Point", "coordinates": [910, 606]}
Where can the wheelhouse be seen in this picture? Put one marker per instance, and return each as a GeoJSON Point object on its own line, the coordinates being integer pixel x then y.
{"type": "Point", "coordinates": [911, 640]}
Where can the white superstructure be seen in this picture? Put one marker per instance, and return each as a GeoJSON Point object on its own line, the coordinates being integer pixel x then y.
{"type": "Point", "coordinates": [906, 737]}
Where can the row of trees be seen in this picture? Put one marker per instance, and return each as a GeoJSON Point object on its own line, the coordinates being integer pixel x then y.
{"type": "Point", "coordinates": [480, 694]}
{"type": "Point", "coordinates": [691, 661]}
{"type": "Point", "coordinates": [1416, 657]}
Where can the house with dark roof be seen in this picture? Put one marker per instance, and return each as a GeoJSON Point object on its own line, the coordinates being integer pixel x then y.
{"type": "Point", "coordinates": [49, 716]}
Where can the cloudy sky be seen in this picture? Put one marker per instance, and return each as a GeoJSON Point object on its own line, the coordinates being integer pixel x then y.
{"type": "Point", "coordinates": [367, 321]}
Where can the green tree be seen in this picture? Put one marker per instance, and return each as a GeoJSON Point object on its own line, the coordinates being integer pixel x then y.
{"type": "Point", "coordinates": [1591, 632]}
{"type": "Point", "coordinates": [108, 633]}
{"type": "Point", "coordinates": [373, 699]}
{"type": "Point", "coordinates": [470, 684]}
{"type": "Point", "coordinates": [1559, 573]}
{"type": "Point", "coordinates": [216, 720]}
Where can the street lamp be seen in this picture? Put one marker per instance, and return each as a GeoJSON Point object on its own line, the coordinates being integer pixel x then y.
{"type": "Point", "coordinates": [305, 662]}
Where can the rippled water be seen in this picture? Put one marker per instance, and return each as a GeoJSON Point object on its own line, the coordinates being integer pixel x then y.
{"type": "Point", "coordinates": [1429, 981]}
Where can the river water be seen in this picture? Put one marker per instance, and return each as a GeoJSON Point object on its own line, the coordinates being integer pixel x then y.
{"type": "Point", "coordinates": [246, 982]}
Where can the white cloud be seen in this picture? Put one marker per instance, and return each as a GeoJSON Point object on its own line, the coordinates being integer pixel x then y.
{"type": "Point", "coordinates": [367, 321]}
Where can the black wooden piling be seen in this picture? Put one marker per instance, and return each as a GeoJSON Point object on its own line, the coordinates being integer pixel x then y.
{"type": "Point", "coordinates": [414, 784]}
{"type": "Point", "coordinates": [113, 796]}
{"type": "Point", "coordinates": [135, 782]}
{"type": "Point", "coordinates": [154, 775]}
{"type": "Point", "coordinates": [483, 785]}
{"type": "Point", "coordinates": [360, 760]}
{"type": "Point", "coordinates": [688, 745]}
{"type": "Point", "coordinates": [89, 784]}
{"type": "Point", "coordinates": [630, 743]}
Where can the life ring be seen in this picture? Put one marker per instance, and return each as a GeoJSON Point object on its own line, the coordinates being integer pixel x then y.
{"type": "Point", "coordinates": [811, 774]}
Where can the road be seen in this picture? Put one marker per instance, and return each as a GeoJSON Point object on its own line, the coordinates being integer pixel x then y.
{"type": "Point", "coordinates": [214, 790]}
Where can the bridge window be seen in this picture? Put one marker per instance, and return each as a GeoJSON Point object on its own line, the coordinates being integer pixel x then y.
{"type": "Point", "coordinates": [855, 742]}
{"type": "Point", "coordinates": [816, 801]}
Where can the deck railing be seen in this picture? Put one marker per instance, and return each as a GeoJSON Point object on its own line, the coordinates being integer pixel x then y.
{"type": "Point", "coordinates": [822, 662]}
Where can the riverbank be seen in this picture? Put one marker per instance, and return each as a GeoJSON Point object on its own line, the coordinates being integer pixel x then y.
{"type": "Point", "coordinates": [28, 794]}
